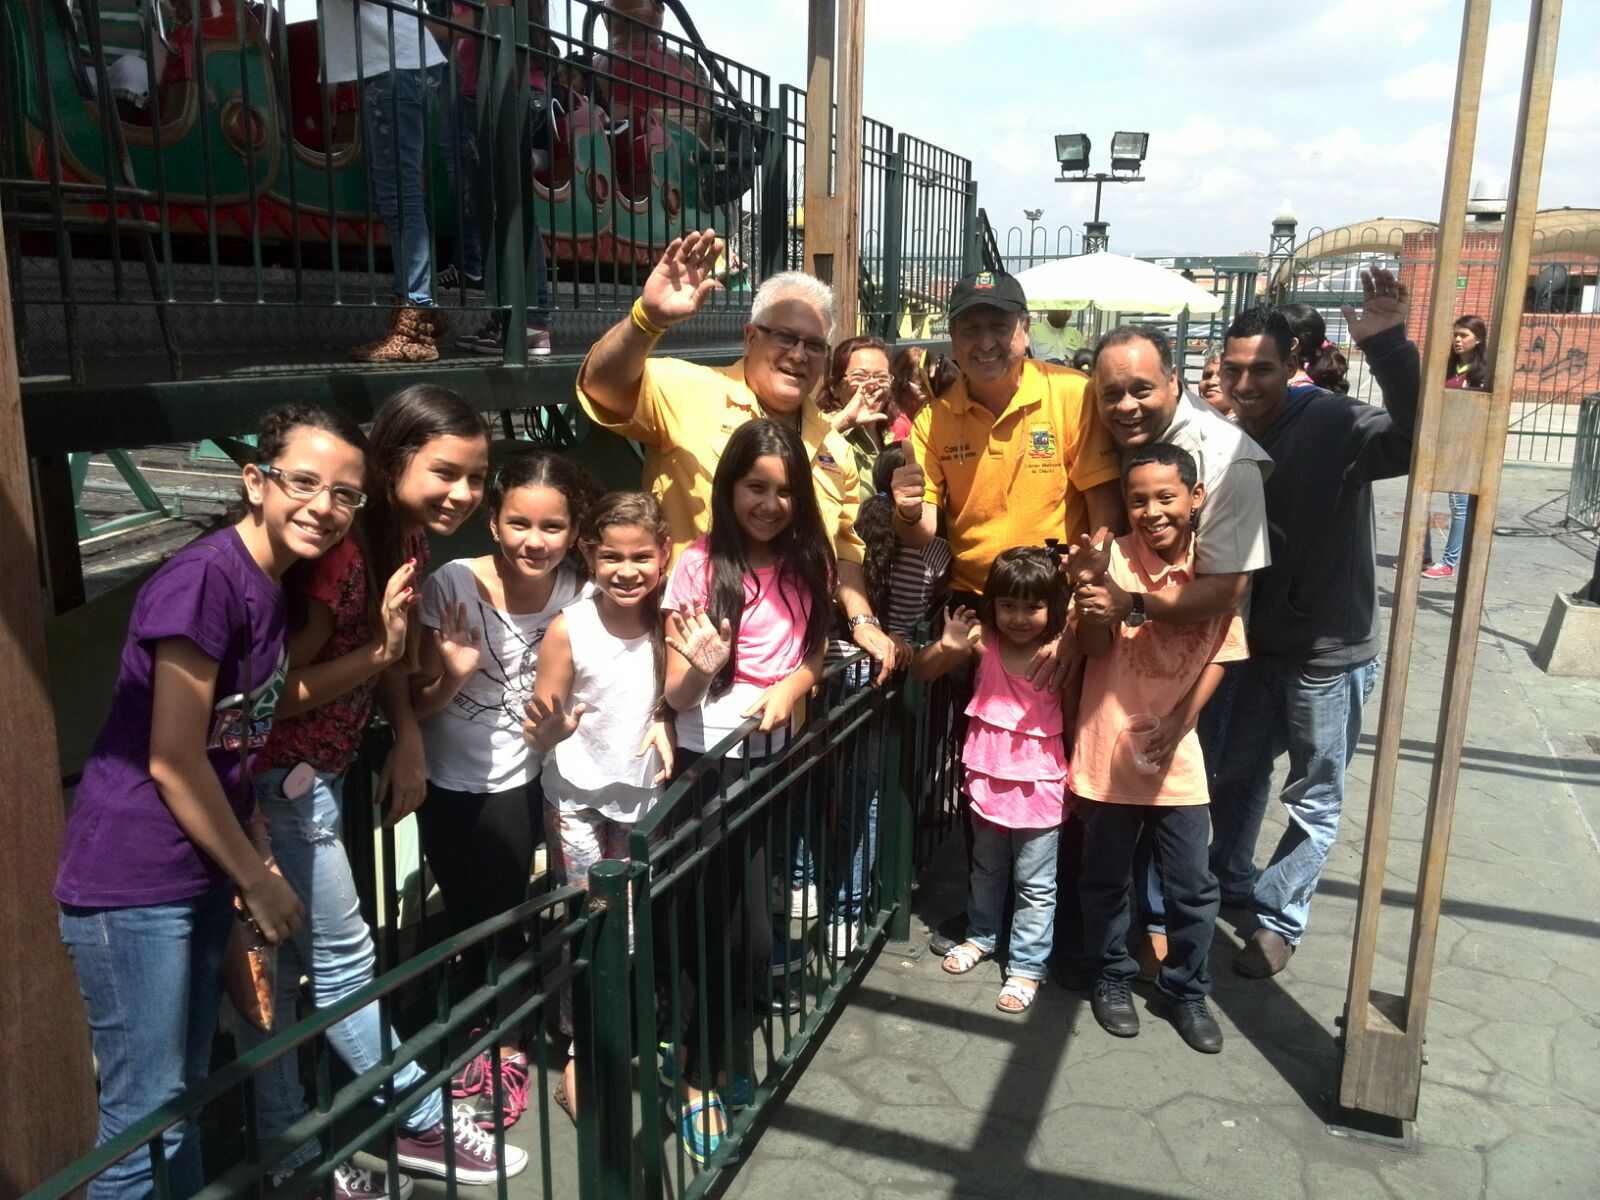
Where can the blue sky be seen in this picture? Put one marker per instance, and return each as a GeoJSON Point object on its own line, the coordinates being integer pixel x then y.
{"type": "Point", "coordinates": [1344, 111]}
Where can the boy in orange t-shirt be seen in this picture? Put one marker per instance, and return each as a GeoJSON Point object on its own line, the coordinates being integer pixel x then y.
{"type": "Point", "coordinates": [1137, 761]}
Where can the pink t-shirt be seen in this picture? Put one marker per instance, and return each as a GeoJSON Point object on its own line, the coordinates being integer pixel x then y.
{"type": "Point", "coordinates": [771, 643]}
{"type": "Point", "coordinates": [769, 647]}
{"type": "Point", "coordinates": [1149, 670]}
{"type": "Point", "coordinates": [1014, 762]}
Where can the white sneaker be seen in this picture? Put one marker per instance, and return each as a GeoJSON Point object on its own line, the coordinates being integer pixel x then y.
{"type": "Point", "coordinates": [795, 901]}
{"type": "Point", "coordinates": [841, 939]}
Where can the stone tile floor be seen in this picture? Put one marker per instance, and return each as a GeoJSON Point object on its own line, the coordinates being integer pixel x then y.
{"type": "Point", "coordinates": [924, 1090]}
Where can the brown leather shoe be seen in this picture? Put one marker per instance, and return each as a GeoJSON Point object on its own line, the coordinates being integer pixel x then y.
{"type": "Point", "coordinates": [1264, 955]}
{"type": "Point", "coordinates": [1151, 954]}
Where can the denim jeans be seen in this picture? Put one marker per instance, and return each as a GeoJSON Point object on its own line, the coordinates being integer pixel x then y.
{"type": "Point", "coordinates": [853, 841]}
{"type": "Point", "coordinates": [1315, 715]}
{"type": "Point", "coordinates": [1456, 538]}
{"type": "Point", "coordinates": [394, 125]}
{"type": "Point", "coordinates": [1025, 858]}
{"type": "Point", "coordinates": [333, 948]}
{"type": "Point", "coordinates": [1178, 833]}
{"type": "Point", "coordinates": [151, 978]}
{"type": "Point", "coordinates": [458, 142]}
{"type": "Point", "coordinates": [459, 145]}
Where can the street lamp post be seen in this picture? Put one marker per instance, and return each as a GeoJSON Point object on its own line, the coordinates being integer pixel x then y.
{"type": "Point", "coordinates": [1127, 156]}
{"type": "Point", "coordinates": [1033, 215]}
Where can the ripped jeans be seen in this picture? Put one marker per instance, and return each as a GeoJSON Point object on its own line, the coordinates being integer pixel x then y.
{"type": "Point", "coordinates": [333, 947]}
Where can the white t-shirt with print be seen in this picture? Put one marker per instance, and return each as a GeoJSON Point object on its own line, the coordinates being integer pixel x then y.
{"type": "Point", "coordinates": [475, 743]}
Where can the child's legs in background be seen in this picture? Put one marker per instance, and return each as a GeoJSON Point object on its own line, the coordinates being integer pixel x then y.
{"type": "Point", "coordinates": [459, 145]}
{"type": "Point", "coordinates": [1181, 834]}
{"type": "Point", "coordinates": [1109, 834]}
{"type": "Point", "coordinates": [151, 978]}
{"type": "Point", "coordinates": [989, 882]}
{"type": "Point", "coordinates": [855, 844]}
{"type": "Point", "coordinates": [1033, 854]}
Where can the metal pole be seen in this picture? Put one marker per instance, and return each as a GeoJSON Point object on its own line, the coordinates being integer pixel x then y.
{"type": "Point", "coordinates": [39, 997]}
{"type": "Point", "coordinates": [613, 1042]}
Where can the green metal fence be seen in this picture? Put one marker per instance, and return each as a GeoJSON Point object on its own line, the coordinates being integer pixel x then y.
{"type": "Point", "coordinates": [867, 778]}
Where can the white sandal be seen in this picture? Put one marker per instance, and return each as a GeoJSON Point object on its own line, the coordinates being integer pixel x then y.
{"type": "Point", "coordinates": [1017, 989]}
{"type": "Point", "coordinates": [966, 957]}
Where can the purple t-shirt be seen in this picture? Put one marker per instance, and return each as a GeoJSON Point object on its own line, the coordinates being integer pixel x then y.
{"type": "Point", "coordinates": [122, 846]}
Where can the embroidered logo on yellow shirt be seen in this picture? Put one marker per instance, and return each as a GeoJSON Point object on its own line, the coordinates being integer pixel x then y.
{"type": "Point", "coordinates": [824, 459]}
{"type": "Point", "coordinates": [1041, 440]}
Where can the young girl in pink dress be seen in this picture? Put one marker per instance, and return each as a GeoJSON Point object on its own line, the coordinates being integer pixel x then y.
{"type": "Point", "coordinates": [1014, 764]}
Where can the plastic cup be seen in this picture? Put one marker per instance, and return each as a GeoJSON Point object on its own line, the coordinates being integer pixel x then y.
{"type": "Point", "coordinates": [1139, 730]}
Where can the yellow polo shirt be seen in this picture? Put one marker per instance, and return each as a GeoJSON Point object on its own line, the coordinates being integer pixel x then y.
{"type": "Point", "coordinates": [685, 415]}
{"type": "Point", "coordinates": [1016, 479]}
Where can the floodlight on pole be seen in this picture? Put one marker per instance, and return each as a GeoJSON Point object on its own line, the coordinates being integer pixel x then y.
{"type": "Point", "coordinates": [1072, 152]}
{"type": "Point", "coordinates": [1127, 156]}
{"type": "Point", "coordinates": [1128, 151]}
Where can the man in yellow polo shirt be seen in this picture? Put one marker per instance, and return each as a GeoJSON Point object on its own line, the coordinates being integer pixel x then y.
{"type": "Point", "coordinates": [683, 413]}
{"type": "Point", "coordinates": [1012, 453]}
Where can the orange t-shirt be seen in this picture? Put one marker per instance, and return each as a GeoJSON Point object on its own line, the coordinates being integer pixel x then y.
{"type": "Point", "coordinates": [1149, 670]}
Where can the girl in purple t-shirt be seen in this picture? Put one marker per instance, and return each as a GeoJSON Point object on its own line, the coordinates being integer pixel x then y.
{"type": "Point", "coordinates": [163, 829]}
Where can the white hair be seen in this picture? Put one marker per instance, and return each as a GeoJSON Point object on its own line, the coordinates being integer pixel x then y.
{"type": "Point", "coordinates": [794, 285]}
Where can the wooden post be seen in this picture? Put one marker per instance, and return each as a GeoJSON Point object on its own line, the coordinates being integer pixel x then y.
{"type": "Point", "coordinates": [1459, 447]}
{"type": "Point", "coordinates": [836, 44]}
{"type": "Point", "coordinates": [47, 1100]}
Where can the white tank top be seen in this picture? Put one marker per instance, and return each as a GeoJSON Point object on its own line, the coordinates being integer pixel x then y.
{"type": "Point", "coordinates": [598, 767]}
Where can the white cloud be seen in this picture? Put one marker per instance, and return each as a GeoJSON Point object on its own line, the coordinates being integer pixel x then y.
{"type": "Point", "coordinates": [1425, 82]}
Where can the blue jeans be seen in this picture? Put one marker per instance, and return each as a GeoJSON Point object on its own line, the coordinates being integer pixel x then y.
{"type": "Point", "coordinates": [1456, 538]}
{"type": "Point", "coordinates": [460, 149]}
{"type": "Point", "coordinates": [151, 978]}
{"type": "Point", "coordinates": [394, 124]}
{"type": "Point", "coordinates": [458, 140]}
{"type": "Point", "coordinates": [1025, 858]}
{"type": "Point", "coordinates": [855, 818]}
{"type": "Point", "coordinates": [1315, 715]}
{"type": "Point", "coordinates": [333, 947]}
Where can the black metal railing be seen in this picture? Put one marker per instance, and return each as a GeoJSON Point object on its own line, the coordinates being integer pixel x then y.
{"type": "Point", "coordinates": [222, 199]}
{"type": "Point", "coordinates": [855, 803]}
{"type": "Point", "coordinates": [1583, 492]}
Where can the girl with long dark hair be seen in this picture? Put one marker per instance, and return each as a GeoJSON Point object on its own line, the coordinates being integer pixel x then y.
{"type": "Point", "coordinates": [351, 612]}
{"type": "Point", "coordinates": [748, 609]}
{"type": "Point", "coordinates": [1320, 362]}
{"type": "Point", "coordinates": [1469, 368]}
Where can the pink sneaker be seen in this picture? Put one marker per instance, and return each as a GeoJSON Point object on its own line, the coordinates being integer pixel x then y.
{"type": "Point", "coordinates": [513, 1093]}
{"type": "Point", "coordinates": [1438, 571]}
{"type": "Point", "coordinates": [473, 1076]}
{"type": "Point", "coordinates": [473, 1151]}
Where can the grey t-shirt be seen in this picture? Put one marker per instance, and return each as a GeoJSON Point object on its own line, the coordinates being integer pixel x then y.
{"type": "Point", "coordinates": [1233, 517]}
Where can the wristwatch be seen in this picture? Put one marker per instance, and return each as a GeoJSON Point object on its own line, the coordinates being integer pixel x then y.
{"type": "Point", "coordinates": [1136, 614]}
{"type": "Point", "coordinates": [864, 619]}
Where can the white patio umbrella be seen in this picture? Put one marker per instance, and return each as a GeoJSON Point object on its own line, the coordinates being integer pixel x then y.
{"type": "Point", "coordinates": [1114, 283]}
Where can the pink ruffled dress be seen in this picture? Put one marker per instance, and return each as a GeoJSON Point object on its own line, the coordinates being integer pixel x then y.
{"type": "Point", "coordinates": [1014, 760]}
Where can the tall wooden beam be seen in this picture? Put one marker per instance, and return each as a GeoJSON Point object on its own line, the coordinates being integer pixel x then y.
{"type": "Point", "coordinates": [1460, 447]}
{"type": "Point", "coordinates": [836, 46]}
{"type": "Point", "coordinates": [47, 1099]}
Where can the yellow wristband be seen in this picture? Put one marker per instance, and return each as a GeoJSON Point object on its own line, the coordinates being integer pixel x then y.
{"type": "Point", "coordinates": [643, 323]}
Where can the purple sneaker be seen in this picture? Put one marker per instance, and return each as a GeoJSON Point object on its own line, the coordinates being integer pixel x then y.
{"type": "Point", "coordinates": [428, 1152]}
{"type": "Point", "coordinates": [351, 1182]}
